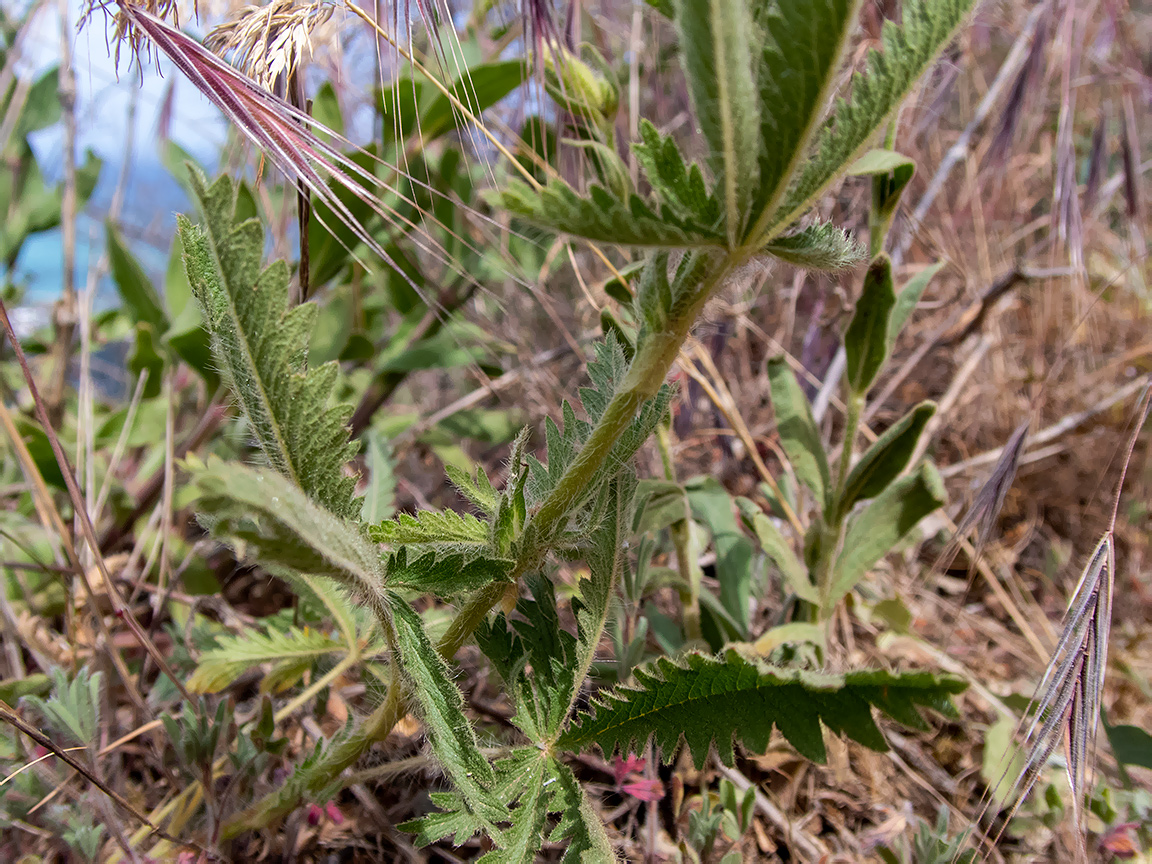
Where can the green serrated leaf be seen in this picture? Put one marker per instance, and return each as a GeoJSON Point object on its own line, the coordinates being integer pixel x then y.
{"type": "Point", "coordinates": [866, 340]}
{"type": "Point", "coordinates": [716, 46]}
{"type": "Point", "coordinates": [219, 667]}
{"type": "Point", "coordinates": [531, 785]}
{"type": "Point", "coordinates": [603, 217]}
{"type": "Point", "coordinates": [580, 825]}
{"type": "Point", "coordinates": [653, 302]}
{"type": "Point", "coordinates": [909, 49]}
{"type": "Point", "coordinates": [73, 709]}
{"type": "Point", "coordinates": [431, 526]}
{"type": "Point", "coordinates": [679, 186]}
{"type": "Point", "coordinates": [890, 516]}
{"type": "Point", "coordinates": [559, 662]}
{"type": "Point", "coordinates": [797, 430]}
{"type": "Point", "coordinates": [607, 371]}
{"type": "Point", "coordinates": [477, 489]}
{"type": "Point", "coordinates": [445, 573]}
{"type": "Point", "coordinates": [442, 709]}
{"type": "Point", "coordinates": [273, 523]}
{"type": "Point", "coordinates": [817, 247]}
{"type": "Point", "coordinates": [261, 344]}
{"type": "Point", "coordinates": [710, 701]}
{"type": "Point", "coordinates": [882, 463]}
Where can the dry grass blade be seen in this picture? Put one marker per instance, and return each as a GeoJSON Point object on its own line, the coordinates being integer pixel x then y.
{"type": "Point", "coordinates": [1025, 88]}
{"type": "Point", "coordinates": [282, 132]}
{"type": "Point", "coordinates": [86, 527]}
{"type": "Point", "coordinates": [1067, 700]}
{"type": "Point", "coordinates": [989, 500]}
{"type": "Point", "coordinates": [16, 721]}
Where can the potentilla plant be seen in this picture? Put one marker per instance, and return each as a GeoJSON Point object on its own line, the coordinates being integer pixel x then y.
{"type": "Point", "coordinates": [762, 76]}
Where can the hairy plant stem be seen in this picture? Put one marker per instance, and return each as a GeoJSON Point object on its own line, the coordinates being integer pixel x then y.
{"type": "Point", "coordinates": [649, 369]}
{"type": "Point", "coordinates": [853, 409]}
{"type": "Point", "coordinates": [832, 527]}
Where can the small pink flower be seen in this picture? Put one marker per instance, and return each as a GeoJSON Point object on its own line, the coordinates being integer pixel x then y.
{"type": "Point", "coordinates": [644, 789]}
{"type": "Point", "coordinates": [630, 781]}
{"type": "Point", "coordinates": [1119, 842]}
{"type": "Point", "coordinates": [334, 813]}
{"type": "Point", "coordinates": [621, 768]}
{"type": "Point", "coordinates": [315, 814]}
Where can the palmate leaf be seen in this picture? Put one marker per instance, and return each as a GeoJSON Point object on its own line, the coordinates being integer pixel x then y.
{"type": "Point", "coordinates": [531, 785]}
{"type": "Point", "coordinates": [518, 783]}
{"type": "Point", "coordinates": [559, 661]}
{"type": "Point", "coordinates": [908, 50]}
{"type": "Point", "coordinates": [538, 642]}
{"type": "Point", "coordinates": [708, 701]}
{"type": "Point", "coordinates": [580, 825]}
{"type": "Point", "coordinates": [261, 345]}
{"type": "Point", "coordinates": [219, 667]}
{"type": "Point", "coordinates": [802, 44]}
{"type": "Point", "coordinates": [604, 217]}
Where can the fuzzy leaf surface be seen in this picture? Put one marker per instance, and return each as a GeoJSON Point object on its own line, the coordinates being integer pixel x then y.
{"type": "Point", "coordinates": [866, 339]}
{"type": "Point", "coordinates": [715, 39]}
{"type": "Point", "coordinates": [908, 50]}
{"type": "Point", "coordinates": [778, 549]}
{"type": "Point", "coordinates": [887, 457]}
{"type": "Point", "coordinates": [560, 661]}
{"type": "Point", "coordinates": [431, 526]}
{"type": "Point", "coordinates": [235, 655]}
{"type": "Point", "coordinates": [710, 701]}
{"type": "Point", "coordinates": [817, 247]}
{"type": "Point", "coordinates": [890, 172]}
{"type": "Point", "coordinates": [442, 709]}
{"type": "Point", "coordinates": [798, 433]}
{"type": "Point", "coordinates": [531, 785]}
{"type": "Point", "coordinates": [261, 344]}
{"type": "Point", "coordinates": [604, 217]}
{"type": "Point", "coordinates": [445, 573]}
{"type": "Point", "coordinates": [607, 372]}
{"type": "Point", "coordinates": [883, 524]}
{"type": "Point", "coordinates": [273, 523]}
{"type": "Point", "coordinates": [680, 186]}
{"type": "Point", "coordinates": [801, 45]}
